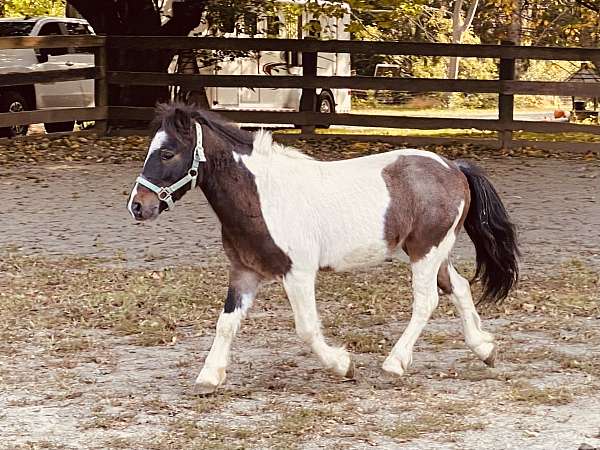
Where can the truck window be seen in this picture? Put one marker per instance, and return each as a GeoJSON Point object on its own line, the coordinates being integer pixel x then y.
{"type": "Point", "coordinates": [51, 29]}
{"type": "Point", "coordinates": [15, 28]}
{"type": "Point", "coordinates": [77, 29]}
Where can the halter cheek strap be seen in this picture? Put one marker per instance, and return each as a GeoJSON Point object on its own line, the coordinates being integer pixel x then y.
{"type": "Point", "coordinates": [165, 193]}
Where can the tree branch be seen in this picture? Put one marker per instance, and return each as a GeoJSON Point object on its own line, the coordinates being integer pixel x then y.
{"type": "Point", "coordinates": [589, 4]}
{"type": "Point", "coordinates": [470, 15]}
{"type": "Point", "coordinates": [186, 15]}
{"type": "Point", "coordinates": [113, 17]}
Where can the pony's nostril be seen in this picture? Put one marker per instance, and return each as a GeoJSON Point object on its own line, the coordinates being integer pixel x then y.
{"type": "Point", "coordinates": [136, 208]}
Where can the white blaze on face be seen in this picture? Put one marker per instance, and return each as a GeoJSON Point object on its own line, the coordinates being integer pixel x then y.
{"type": "Point", "coordinates": [131, 197]}
{"type": "Point", "coordinates": [157, 143]}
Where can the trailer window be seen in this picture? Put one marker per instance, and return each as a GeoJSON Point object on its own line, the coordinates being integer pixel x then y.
{"type": "Point", "coordinates": [273, 24]}
{"type": "Point", "coordinates": [250, 24]}
{"type": "Point", "coordinates": [314, 28]}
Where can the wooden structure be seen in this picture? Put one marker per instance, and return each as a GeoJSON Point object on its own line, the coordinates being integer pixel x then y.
{"type": "Point", "coordinates": [580, 111]}
{"type": "Point", "coordinates": [307, 118]}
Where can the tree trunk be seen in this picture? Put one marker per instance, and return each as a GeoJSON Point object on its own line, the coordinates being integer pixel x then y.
{"type": "Point", "coordinates": [516, 23]}
{"type": "Point", "coordinates": [139, 18]}
{"type": "Point", "coordinates": [515, 33]}
{"type": "Point", "coordinates": [458, 29]}
{"type": "Point", "coordinates": [70, 11]}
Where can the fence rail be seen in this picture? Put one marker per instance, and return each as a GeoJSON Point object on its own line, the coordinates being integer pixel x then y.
{"type": "Point", "coordinates": [361, 47]}
{"type": "Point", "coordinates": [418, 85]}
{"type": "Point", "coordinates": [506, 86]}
{"type": "Point", "coordinates": [98, 113]}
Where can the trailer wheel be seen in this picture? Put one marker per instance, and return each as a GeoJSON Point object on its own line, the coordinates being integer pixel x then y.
{"type": "Point", "coordinates": [325, 105]}
{"type": "Point", "coordinates": [13, 101]}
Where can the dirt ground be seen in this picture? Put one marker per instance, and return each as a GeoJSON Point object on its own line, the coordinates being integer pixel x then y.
{"type": "Point", "coordinates": [80, 209]}
{"type": "Point", "coordinates": [106, 323]}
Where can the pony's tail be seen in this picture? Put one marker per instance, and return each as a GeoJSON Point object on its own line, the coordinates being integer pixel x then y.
{"type": "Point", "coordinates": [493, 235]}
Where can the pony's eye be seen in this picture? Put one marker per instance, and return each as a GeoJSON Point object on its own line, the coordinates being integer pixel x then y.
{"type": "Point", "coordinates": [165, 155]}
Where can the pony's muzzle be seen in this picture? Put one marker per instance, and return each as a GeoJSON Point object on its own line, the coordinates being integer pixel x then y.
{"type": "Point", "coordinates": [144, 205]}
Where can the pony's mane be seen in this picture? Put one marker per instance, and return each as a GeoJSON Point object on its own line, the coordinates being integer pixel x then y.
{"type": "Point", "coordinates": [166, 115]}
{"type": "Point", "coordinates": [264, 145]}
{"type": "Point", "coordinates": [243, 141]}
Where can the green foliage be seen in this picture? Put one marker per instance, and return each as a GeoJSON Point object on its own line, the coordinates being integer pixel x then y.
{"type": "Point", "coordinates": [544, 71]}
{"type": "Point", "coordinates": [32, 8]}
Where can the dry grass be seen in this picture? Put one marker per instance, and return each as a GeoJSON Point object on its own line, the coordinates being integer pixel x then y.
{"type": "Point", "coordinates": [66, 307]}
{"type": "Point", "coordinates": [590, 366]}
{"type": "Point", "coordinates": [77, 294]}
{"type": "Point", "coordinates": [524, 392]}
{"type": "Point", "coordinates": [70, 296]}
{"type": "Point", "coordinates": [449, 417]}
{"type": "Point", "coordinates": [286, 428]}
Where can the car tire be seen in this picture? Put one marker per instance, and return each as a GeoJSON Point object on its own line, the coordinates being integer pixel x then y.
{"type": "Point", "coordinates": [59, 127]}
{"type": "Point", "coordinates": [325, 105]}
{"type": "Point", "coordinates": [13, 101]}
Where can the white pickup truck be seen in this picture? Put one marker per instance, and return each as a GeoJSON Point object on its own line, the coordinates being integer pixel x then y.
{"type": "Point", "coordinates": [48, 95]}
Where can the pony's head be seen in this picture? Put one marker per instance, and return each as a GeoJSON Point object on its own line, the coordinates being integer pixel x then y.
{"type": "Point", "coordinates": [177, 157]}
{"type": "Point", "coordinates": [173, 166]}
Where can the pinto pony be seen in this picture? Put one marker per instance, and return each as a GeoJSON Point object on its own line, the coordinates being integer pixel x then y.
{"type": "Point", "coordinates": [285, 216]}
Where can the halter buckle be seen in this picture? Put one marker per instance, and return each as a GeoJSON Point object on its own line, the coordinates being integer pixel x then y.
{"type": "Point", "coordinates": [163, 194]}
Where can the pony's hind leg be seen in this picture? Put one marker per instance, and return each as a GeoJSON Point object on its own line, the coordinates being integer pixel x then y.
{"type": "Point", "coordinates": [479, 341]}
{"type": "Point", "coordinates": [425, 270]}
{"type": "Point", "coordinates": [300, 289]}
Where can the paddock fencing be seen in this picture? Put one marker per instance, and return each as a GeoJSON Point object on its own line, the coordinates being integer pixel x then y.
{"type": "Point", "coordinates": [505, 127]}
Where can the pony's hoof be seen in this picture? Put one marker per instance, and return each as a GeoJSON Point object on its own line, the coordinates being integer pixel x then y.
{"type": "Point", "coordinates": [491, 359]}
{"type": "Point", "coordinates": [351, 372]}
{"type": "Point", "coordinates": [340, 363]}
{"type": "Point", "coordinates": [204, 389]}
{"type": "Point", "coordinates": [208, 381]}
{"type": "Point", "coordinates": [393, 366]}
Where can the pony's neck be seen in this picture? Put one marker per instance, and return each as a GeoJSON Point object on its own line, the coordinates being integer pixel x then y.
{"type": "Point", "coordinates": [230, 189]}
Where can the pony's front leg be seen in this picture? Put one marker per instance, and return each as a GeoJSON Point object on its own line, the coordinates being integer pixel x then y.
{"type": "Point", "coordinates": [425, 300]}
{"type": "Point", "coordinates": [243, 286]}
{"type": "Point", "coordinates": [300, 289]}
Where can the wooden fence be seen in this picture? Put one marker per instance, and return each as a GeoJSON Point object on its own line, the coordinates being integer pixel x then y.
{"type": "Point", "coordinates": [506, 86]}
{"type": "Point", "coordinates": [98, 113]}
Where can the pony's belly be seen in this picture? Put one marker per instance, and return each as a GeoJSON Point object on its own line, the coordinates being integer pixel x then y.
{"type": "Point", "coordinates": [369, 254]}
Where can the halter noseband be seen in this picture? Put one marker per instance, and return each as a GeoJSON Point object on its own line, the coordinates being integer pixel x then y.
{"type": "Point", "coordinates": [166, 193]}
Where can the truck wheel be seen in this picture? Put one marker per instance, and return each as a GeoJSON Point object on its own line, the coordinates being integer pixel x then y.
{"type": "Point", "coordinates": [325, 105]}
{"type": "Point", "coordinates": [59, 127]}
{"type": "Point", "coordinates": [13, 101]}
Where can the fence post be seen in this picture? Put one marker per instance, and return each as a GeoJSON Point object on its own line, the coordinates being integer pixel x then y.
{"type": "Point", "coordinates": [101, 87]}
{"type": "Point", "coordinates": [506, 102]}
{"type": "Point", "coordinates": [308, 100]}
